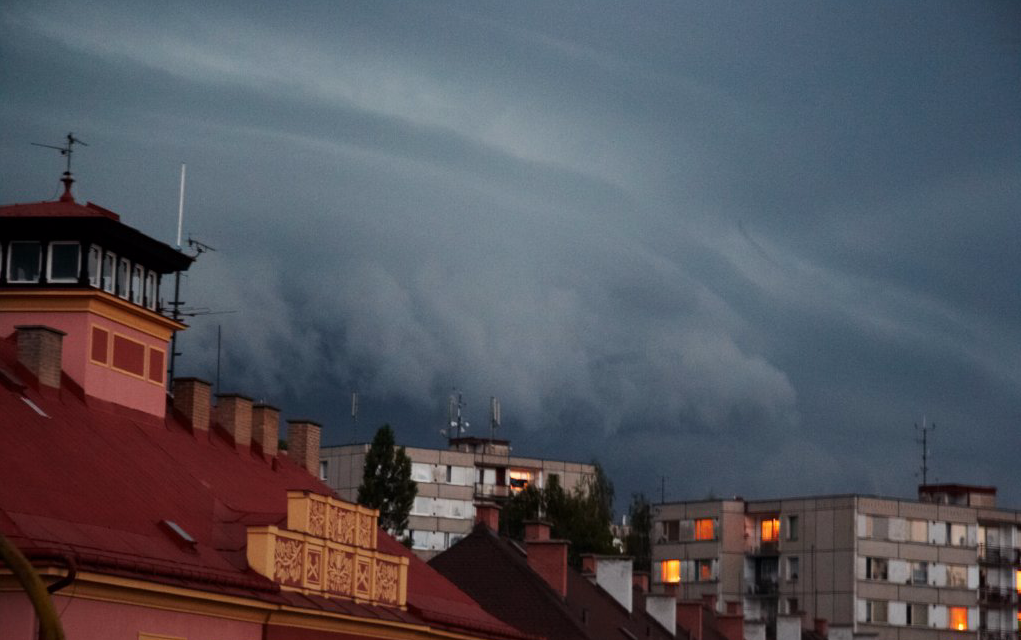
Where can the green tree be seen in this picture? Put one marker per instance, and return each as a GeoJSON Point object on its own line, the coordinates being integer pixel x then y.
{"type": "Point", "coordinates": [386, 482]}
{"type": "Point", "coordinates": [638, 543]}
{"type": "Point", "coordinates": [581, 516]}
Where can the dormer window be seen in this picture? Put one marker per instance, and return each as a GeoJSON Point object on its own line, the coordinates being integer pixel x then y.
{"type": "Point", "coordinates": [109, 268]}
{"type": "Point", "coordinates": [123, 272]}
{"type": "Point", "coordinates": [151, 293]}
{"type": "Point", "coordinates": [64, 262]}
{"type": "Point", "coordinates": [136, 284]}
{"type": "Point", "coordinates": [24, 261]}
{"type": "Point", "coordinates": [95, 265]}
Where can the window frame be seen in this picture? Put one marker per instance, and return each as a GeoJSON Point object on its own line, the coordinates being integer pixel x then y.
{"type": "Point", "coordinates": [151, 289]}
{"type": "Point", "coordinates": [874, 606]}
{"type": "Point", "coordinates": [792, 527]}
{"type": "Point", "coordinates": [877, 569]}
{"type": "Point", "coordinates": [39, 261]}
{"type": "Point", "coordinates": [95, 275]}
{"type": "Point", "coordinates": [108, 276]}
{"type": "Point", "coordinates": [137, 283]}
{"type": "Point", "coordinates": [123, 285]}
{"type": "Point", "coordinates": [77, 263]}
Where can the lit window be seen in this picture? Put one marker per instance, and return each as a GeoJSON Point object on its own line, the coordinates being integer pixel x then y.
{"type": "Point", "coordinates": [24, 262]}
{"type": "Point", "coordinates": [704, 529]}
{"type": "Point", "coordinates": [959, 618]}
{"type": "Point", "coordinates": [771, 529]}
{"type": "Point", "coordinates": [136, 284]}
{"type": "Point", "coordinates": [109, 268]}
{"type": "Point", "coordinates": [123, 271]}
{"type": "Point", "coordinates": [671, 571]}
{"type": "Point", "coordinates": [519, 479]}
{"type": "Point", "coordinates": [63, 263]}
{"type": "Point", "coordinates": [95, 265]}
{"type": "Point", "coordinates": [151, 292]}
{"type": "Point", "coordinates": [705, 570]}
{"type": "Point", "coordinates": [1017, 580]}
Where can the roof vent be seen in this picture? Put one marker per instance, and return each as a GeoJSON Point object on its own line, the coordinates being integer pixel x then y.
{"type": "Point", "coordinates": [178, 534]}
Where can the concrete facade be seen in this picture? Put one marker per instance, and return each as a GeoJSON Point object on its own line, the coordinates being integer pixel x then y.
{"type": "Point", "coordinates": [450, 481]}
{"type": "Point", "coordinates": [890, 568]}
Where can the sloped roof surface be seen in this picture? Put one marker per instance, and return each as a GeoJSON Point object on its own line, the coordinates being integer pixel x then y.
{"type": "Point", "coordinates": [495, 573]}
{"type": "Point", "coordinates": [93, 481]}
{"type": "Point", "coordinates": [56, 209]}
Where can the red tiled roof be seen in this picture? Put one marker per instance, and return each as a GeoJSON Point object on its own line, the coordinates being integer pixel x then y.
{"type": "Point", "coordinates": [56, 209]}
{"type": "Point", "coordinates": [92, 481]}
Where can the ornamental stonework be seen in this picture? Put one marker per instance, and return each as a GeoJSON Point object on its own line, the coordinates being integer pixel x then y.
{"type": "Point", "coordinates": [328, 548]}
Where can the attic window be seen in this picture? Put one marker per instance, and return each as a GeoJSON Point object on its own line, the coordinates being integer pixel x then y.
{"type": "Point", "coordinates": [176, 530]}
{"type": "Point", "coordinates": [64, 262]}
{"type": "Point", "coordinates": [123, 270]}
{"type": "Point", "coordinates": [24, 261]}
{"type": "Point", "coordinates": [95, 265]}
{"type": "Point", "coordinates": [109, 266]}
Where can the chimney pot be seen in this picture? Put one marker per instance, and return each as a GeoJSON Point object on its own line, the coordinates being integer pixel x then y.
{"type": "Point", "coordinates": [303, 444]}
{"type": "Point", "coordinates": [192, 398]}
{"type": "Point", "coordinates": [40, 350]}
{"type": "Point", "coordinates": [234, 413]}
{"type": "Point", "coordinates": [266, 428]}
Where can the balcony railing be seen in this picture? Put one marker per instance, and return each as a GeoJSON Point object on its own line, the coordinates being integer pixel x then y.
{"type": "Point", "coordinates": [771, 548]}
{"type": "Point", "coordinates": [764, 587]}
{"type": "Point", "coordinates": [998, 596]}
{"type": "Point", "coordinates": [999, 555]}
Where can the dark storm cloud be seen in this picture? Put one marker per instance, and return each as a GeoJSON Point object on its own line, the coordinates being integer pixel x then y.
{"type": "Point", "coordinates": [740, 247]}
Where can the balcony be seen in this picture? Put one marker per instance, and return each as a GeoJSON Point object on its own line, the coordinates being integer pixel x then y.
{"type": "Point", "coordinates": [771, 548]}
{"type": "Point", "coordinates": [491, 490]}
{"type": "Point", "coordinates": [997, 596]}
{"type": "Point", "coordinates": [1003, 556]}
{"type": "Point", "coordinates": [764, 587]}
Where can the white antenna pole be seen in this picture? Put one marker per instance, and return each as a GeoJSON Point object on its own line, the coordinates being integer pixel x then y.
{"type": "Point", "coordinates": [180, 209]}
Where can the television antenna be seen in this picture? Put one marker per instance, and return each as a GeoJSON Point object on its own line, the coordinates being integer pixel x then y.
{"type": "Point", "coordinates": [65, 150]}
{"type": "Point", "coordinates": [494, 417]}
{"type": "Point", "coordinates": [924, 441]}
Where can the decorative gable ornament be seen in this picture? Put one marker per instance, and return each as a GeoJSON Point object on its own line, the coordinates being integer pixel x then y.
{"type": "Point", "coordinates": [329, 548]}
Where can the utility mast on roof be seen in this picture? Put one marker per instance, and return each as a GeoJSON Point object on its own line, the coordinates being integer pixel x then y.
{"type": "Point", "coordinates": [494, 417]}
{"type": "Point", "coordinates": [456, 424]}
{"type": "Point", "coordinates": [924, 441]}
{"type": "Point", "coordinates": [65, 151]}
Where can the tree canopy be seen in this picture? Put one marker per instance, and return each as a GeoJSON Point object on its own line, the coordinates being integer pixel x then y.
{"type": "Point", "coordinates": [386, 482]}
{"type": "Point", "coordinates": [581, 516]}
{"type": "Point", "coordinates": [638, 543]}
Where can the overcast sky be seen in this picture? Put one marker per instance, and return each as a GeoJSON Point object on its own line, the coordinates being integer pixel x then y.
{"type": "Point", "coordinates": [741, 246]}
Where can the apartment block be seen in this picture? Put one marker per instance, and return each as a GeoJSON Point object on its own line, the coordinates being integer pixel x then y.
{"type": "Point", "coordinates": [450, 481]}
{"type": "Point", "coordinates": [946, 566]}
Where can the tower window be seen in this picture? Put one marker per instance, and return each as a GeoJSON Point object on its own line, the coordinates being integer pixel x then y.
{"type": "Point", "coordinates": [123, 269]}
{"type": "Point", "coordinates": [95, 265]}
{"type": "Point", "coordinates": [151, 293]}
{"type": "Point", "coordinates": [109, 269]}
{"type": "Point", "coordinates": [24, 261]}
{"type": "Point", "coordinates": [64, 262]}
{"type": "Point", "coordinates": [136, 284]}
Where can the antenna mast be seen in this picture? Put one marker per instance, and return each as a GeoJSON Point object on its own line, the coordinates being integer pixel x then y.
{"type": "Point", "coordinates": [456, 424]}
{"type": "Point", "coordinates": [924, 441]}
{"type": "Point", "coordinates": [354, 416]}
{"type": "Point", "coordinates": [65, 151]}
{"type": "Point", "coordinates": [494, 417]}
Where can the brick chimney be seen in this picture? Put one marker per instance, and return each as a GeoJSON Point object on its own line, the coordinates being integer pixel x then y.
{"type": "Point", "coordinates": [40, 350]}
{"type": "Point", "coordinates": [547, 557]}
{"type": "Point", "coordinates": [234, 413]}
{"type": "Point", "coordinates": [192, 398]}
{"type": "Point", "coordinates": [303, 444]}
{"type": "Point", "coordinates": [488, 513]}
{"type": "Point", "coordinates": [266, 428]}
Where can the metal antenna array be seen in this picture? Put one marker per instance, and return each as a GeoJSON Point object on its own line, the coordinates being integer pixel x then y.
{"type": "Point", "coordinates": [457, 425]}
{"type": "Point", "coordinates": [924, 441]}
{"type": "Point", "coordinates": [494, 417]}
{"type": "Point", "coordinates": [354, 416]}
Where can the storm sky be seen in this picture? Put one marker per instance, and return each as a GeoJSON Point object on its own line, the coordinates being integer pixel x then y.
{"type": "Point", "coordinates": [725, 248]}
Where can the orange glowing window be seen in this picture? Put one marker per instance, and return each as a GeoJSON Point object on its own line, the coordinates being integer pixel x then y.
{"type": "Point", "coordinates": [771, 530]}
{"type": "Point", "coordinates": [704, 529]}
{"type": "Point", "coordinates": [705, 570]}
{"type": "Point", "coordinates": [1017, 582]}
{"type": "Point", "coordinates": [959, 618]}
{"type": "Point", "coordinates": [671, 571]}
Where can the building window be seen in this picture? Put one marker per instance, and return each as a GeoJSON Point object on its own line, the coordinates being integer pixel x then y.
{"type": "Point", "coordinates": [705, 569]}
{"type": "Point", "coordinates": [876, 568]}
{"type": "Point", "coordinates": [875, 611]}
{"type": "Point", "coordinates": [793, 568]}
{"type": "Point", "coordinates": [95, 265]}
{"type": "Point", "coordinates": [959, 618]}
{"type": "Point", "coordinates": [323, 464]}
{"type": "Point", "coordinates": [918, 531]}
{"type": "Point", "coordinates": [123, 272]}
{"type": "Point", "coordinates": [672, 530]}
{"type": "Point", "coordinates": [24, 261]}
{"type": "Point", "coordinates": [920, 573]}
{"type": "Point", "coordinates": [109, 271]}
{"type": "Point", "coordinates": [670, 571]}
{"type": "Point", "coordinates": [151, 290]}
{"type": "Point", "coordinates": [957, 576]}
{"type": "Point", "coordinates": [770, 528]}
{"type": "Point", "coordinates": [705, 529]}
{"type": "Point", "coordinates": [1017, 580]}
{"type": "Point", "coordinates": [917, 615]}
{"type": "Point", "coordinates": [64, 262]}
{"type": "Point", "coordinates": [519, 479]}
{"type": "Point", "coordinates": [792, 605]}
{"type": "Point", "coordinates": [792, 527]}
{"type": "Point", "coordinates": [957, 534]}
{"type": "Point", "coordinates": [136, 284]}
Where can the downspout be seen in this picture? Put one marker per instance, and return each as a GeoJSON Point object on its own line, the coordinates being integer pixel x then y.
{"type": "Point", "coordinates": [49, 622]}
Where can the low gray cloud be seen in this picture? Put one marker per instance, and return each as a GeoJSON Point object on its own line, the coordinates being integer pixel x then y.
{"type": "Point", "coordinates": [723, 249]}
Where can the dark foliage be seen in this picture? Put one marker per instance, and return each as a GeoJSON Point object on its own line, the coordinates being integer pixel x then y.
{"type": "Point", "coordinates": [386, 482]}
